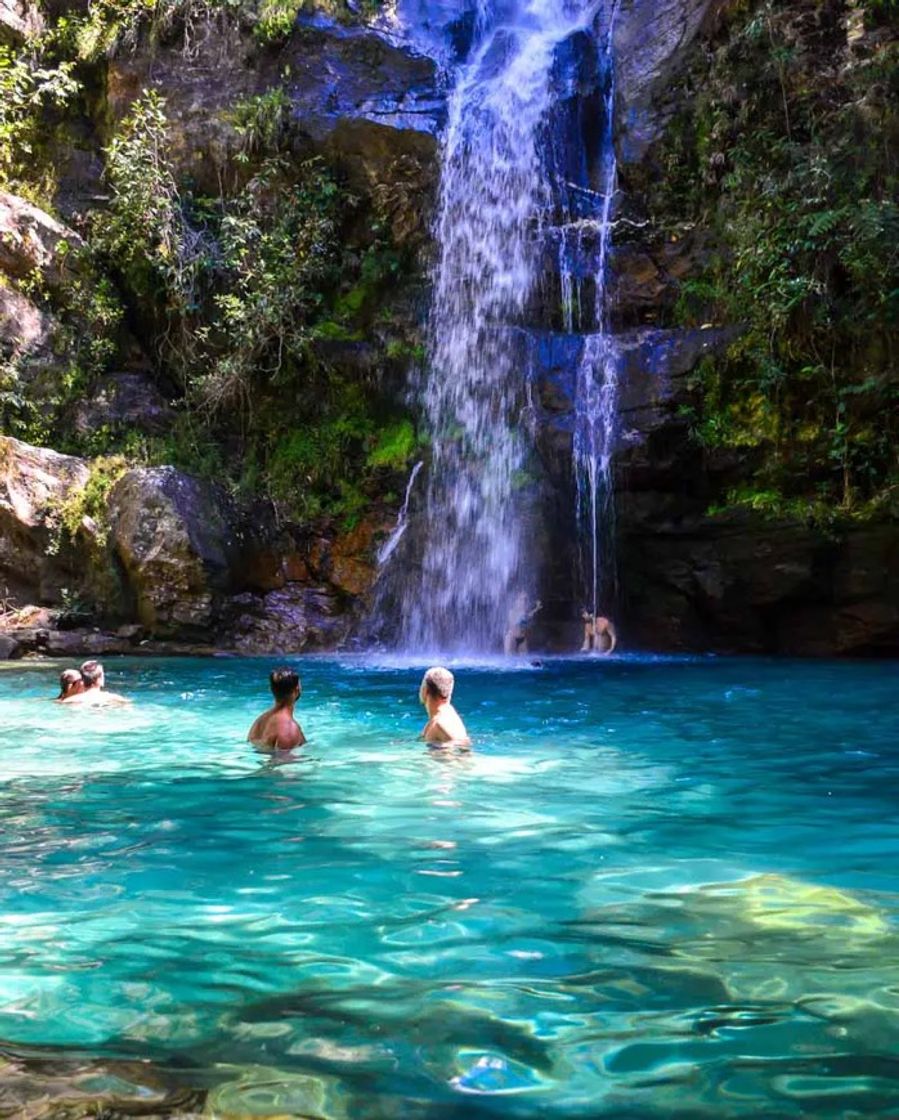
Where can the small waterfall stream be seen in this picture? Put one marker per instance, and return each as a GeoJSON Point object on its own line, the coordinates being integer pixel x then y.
{"type": "Point", "coordinates": [504, 183]}
{"type": "Point", "coordinates": [596, 390]}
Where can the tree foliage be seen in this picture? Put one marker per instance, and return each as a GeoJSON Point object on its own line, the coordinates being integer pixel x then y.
{"type": "Point", "coordinates": [789, 153]}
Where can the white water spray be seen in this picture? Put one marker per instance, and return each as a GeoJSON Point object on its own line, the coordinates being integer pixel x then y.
{"type": "Point", "coordinates": [388, 548]}
{"type": "Point", "coordinates": [495, 198]}
{"type": "Point", "coordinates": [596, 392]}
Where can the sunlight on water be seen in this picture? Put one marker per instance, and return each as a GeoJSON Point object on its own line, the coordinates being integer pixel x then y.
{"type": "Point", "coordinates": [656, 887]}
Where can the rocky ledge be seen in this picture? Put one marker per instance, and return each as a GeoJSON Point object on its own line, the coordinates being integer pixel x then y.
{"type": "Point", "coordinates": [165, 563]}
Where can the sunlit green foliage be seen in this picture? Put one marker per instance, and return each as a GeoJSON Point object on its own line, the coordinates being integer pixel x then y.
{"type": "Point", "coordinates": [244, 288]}
{"type": "Point", "coordinates": [789, 154]}
{"type": "Point", "coordinates": [28, 88]}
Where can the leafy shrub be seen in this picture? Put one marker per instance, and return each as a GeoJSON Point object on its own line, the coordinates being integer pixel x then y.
{"type": "Point", "coordinates": [784, 152]}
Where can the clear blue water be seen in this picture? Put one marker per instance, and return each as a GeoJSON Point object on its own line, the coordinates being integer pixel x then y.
{"type": "Point", "coordinates": [655, 888]}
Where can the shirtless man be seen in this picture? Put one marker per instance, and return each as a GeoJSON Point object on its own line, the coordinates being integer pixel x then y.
{"type": "Point", "coordinates": [600, 635]}
{"type": "Point", "coordinates": [70, 684]}
{"type": "Point", "coordinates": [94, 694]}
{"type": "Point", "coordinates": [519, 621]}
{"type": "Point", "coordinates": [444, 726]}
{"type": "Point", "coordinates": [276, 729]}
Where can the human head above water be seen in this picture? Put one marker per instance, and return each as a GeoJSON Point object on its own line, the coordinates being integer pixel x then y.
{"type": "Point", "coordinates": [70, 682]}
{"type": "Point", "coordinates": [92, 674]}
{"type": "Point", "coordinates": [285, 684]}
{"type": "Point", "coordinates": [437, 683]}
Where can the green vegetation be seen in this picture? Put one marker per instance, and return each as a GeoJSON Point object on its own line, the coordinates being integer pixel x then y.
{"type": "Point", "coordinates": [251, 304]}
{"type": "Point", "coordinates": [788, 153]}
{"type": "Point", "coordinates": [243, 290]}
{"type": "Point", "coordinates": [84, 510]}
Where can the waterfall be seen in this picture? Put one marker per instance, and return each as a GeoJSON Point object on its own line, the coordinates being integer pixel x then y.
{"type": "Point", "coordinates": [388, 548]}
{"type": "Point", "coordinates": [495, 198]}
{"type": "Point", "coordinates": [596, 391]}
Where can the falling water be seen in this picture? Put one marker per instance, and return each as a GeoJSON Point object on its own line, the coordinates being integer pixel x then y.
{"type": "Point", "coordinates": [495, 197]}
{"type": "Point", "coordinates": [596, 394]}
{"type": "Point", "coordinates": [389, 546]}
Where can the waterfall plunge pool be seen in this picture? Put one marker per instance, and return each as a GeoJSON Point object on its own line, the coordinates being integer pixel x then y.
{"type": "Point", "coordinates": [656, 887]}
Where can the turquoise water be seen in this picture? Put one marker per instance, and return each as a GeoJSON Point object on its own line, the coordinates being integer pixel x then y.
{"type": "Point", "coordinates": [655, 888]}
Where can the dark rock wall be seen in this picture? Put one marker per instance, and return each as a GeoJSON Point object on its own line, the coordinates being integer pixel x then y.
{"type": "Point", "coordinates": [185, 562]}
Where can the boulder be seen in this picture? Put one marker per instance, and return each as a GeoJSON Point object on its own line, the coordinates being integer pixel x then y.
{"type": "Point", "coordinates": [123, 400]}
{"type": "Point", "coordinates": [175, 539]}
{"type": "Point", "coordinates": [31, 241]}
{"type": "Point", "coordinates": [349, 90]}
{"type": "Point", "coordinates": [26, 332]}
{"type": "Point", "coordinates": [34, 480]}
{"type": "Point", "coordinates": [19, 21]}
{"type": "Point", "coordinates": [291, 620]}
{"type": "Point", "coordinates": [10, 648]}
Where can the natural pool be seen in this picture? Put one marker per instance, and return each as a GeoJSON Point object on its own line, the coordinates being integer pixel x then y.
{"type": "Point", "coordinates": [657, 887]}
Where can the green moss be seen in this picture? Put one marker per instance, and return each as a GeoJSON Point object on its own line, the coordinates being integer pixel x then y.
{"type": "Point", "coordinates": [395, 446]}
{"type": "Point", "coordinates": [84, 509]}
{"type": "Point", "coordinates": [783, 153]}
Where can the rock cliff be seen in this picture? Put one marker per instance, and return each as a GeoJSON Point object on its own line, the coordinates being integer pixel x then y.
{"type": "Point", "coordinates": [260, 471]}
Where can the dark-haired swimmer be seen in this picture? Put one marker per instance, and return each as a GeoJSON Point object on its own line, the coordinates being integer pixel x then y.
{"type": "Point", "coordinates": [71, 683]}
{"type": "Point", "coordinates": [444, 726]}
{"type": "Point", "coordinates": [276, 729]}
{"type": "Point", "coordinates": [94, 693]}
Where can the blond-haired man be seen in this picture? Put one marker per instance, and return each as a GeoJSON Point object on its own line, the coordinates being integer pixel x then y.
{"type": "Point", "coordinates": [444, 726]}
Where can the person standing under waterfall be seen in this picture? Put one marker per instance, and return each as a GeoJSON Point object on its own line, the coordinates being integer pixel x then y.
{"type": "Point", "coordinates": [600, 635]}
{"type": "Point", "coordinates": [519, 622]}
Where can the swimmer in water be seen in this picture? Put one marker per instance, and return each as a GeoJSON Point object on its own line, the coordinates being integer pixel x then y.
{"type": "Point", "coordinates": [94, 694]}
{"type": "Point", "coordinates": [276, 729]}
{"type": "Point", "coordinates": [70, 684]}
{"type": "Point", "coordinates": [444, 726]}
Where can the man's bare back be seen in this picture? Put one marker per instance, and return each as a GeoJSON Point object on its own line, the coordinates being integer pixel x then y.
{"type": "Point", "coordinates": [276, 729]}
{"type": "Point", "coordinates": [446, 726]}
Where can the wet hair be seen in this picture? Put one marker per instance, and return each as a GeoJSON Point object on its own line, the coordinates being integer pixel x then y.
{"type": "Point", "coordinates": [284, 682]}
{"type": "Point", "coordinates": [67, 679]}
{"type": "Point", "coordinates": [438, 682]}
{"type": "Point", "coordinates": [91, 673]}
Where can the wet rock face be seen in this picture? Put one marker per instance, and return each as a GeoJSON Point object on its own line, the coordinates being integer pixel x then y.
{"type": "Point", "coordinates": [175, 540]}
{"type": "Point", "coordinates": [34, 482]}
{"type": "Point", "coordinates": [351, 93]}
{"type": "Point", "coordinates": [652, 42]}
{"type": "Point", "coordinates": [743, 584]}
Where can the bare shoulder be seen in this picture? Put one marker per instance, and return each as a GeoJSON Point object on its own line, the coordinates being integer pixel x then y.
{"type": "Point", "coordinates": [256, 734]}
{"type": "Point", "coordinates": [452, 729]}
